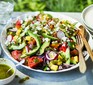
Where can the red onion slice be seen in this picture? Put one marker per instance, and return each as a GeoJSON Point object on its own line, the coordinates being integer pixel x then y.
{"type": "Point", "coordinates": [13, 29]}
{"type": "Point", "coordinates": [9, 38]}
{"type": "Point", "coordinates": [60, 34]}
{"type": "Point", "coordinates": [51, 55]}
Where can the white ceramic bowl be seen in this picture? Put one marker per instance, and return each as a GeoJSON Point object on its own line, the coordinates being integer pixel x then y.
{"type": "Point", "coordinates": [87, 17]}
{"type": "Point", "coordinates": [28, 70]}
{"type": "Point", "coordinates": [11, 64]}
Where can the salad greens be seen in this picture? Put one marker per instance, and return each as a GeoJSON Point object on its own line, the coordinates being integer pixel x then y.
{"type": "Point", "coordinates": [45, 42]}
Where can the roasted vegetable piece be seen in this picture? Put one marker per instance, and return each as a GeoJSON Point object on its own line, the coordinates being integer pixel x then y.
{"type": "Point", "coordinates": [34, 61]}
{"type": "Point", "coordinates": [74, 52]}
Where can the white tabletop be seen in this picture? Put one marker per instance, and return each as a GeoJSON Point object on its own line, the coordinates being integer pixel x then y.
{"type": "Point", "coordinates": [73, 78]}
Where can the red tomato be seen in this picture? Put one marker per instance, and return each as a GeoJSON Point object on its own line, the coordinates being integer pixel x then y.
{"type": "Point", "coordinates": [18, 24]}
{"type": "Point", "coordinates": [34, 61]}
{"type": "Point", "coordinates": [16, 54]}
{"type": "Point", "coordinates": [63, 47]}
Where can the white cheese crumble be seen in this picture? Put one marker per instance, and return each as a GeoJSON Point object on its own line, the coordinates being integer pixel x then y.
{"type": "Point", "coordinates": [54, 41]}
{"type": "Point", "coordinates": [57, 29]}
{"type": "Point", "coordinates": [35, 32]}
{"type": "Point", "coordinates": [38, 28]}
{"type": "Point", "coordinates": [52, 22]}
{"type": "Point", "coordinates": [45, 39]}
{"type": "Point", "coordinates": [25, 30]}
{"type": "Point", "coordinates": [23, 25]}
{"type": "Point", "coordinates": [7, 42]}
{"type": "Point", "coordinates": [37, 23]}
{"type": "Point", "coordinates": [46, 27]}
{"type": "Point", "coordinates": [64, 38]}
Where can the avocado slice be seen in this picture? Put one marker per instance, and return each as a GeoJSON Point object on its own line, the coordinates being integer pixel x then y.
{"type": "Point", "coordinates": [42, 48]}
{"type": "Point", "coordinates": [50, 37]}
{"type": "Point", "coordinates": [66, 55]}
{"type": "Point", "coordinates": [17, 47]}
{"type": "Point", "coordinates": [38, 42]}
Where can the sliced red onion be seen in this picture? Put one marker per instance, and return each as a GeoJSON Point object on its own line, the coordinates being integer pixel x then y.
{"type": "Point", "coordinates": [30, 46]}
{"type": "Point", "coordinates": [47, 62]}
{"type": "Point", "coordinates": [27, 49]}
{"type": "Point", "coordinates": [65, 66]}
{"type": "Point", "coordinates": [51, 55]}
{"type": "Point", "coordinates": [9, 38]}
{"type": "Point", "coordinates": [13, 29]}
{"type": "Point", "coordinates": [60, 67]}
{"type": "Point", "coordinates": [60, 34]}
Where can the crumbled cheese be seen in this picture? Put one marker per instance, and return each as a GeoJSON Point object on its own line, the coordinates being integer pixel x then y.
{"type": "Point", "coordinates": [38, 28]}
{"type": "Point", "coordinates": [13, 29]}
{"type": "Point", "coordinates": [26, 28]}
{"type": "Point", "coordinates": [43, 39]}
{"type": "Point", "coordinates": [64, 38]}
{"type": "Point", "coordinates": [21, 21]}
{"type": "Point", "coordinates": [57, 25]}
{"type": "Point", "coordinates": [18, 18]}
{"type": "Point", "coordinates": [30, 18]}
{"type": "Point", "coordinates": [57, 28]}
{"type": "Point", "coordinates": [26, 19]}
{"type": "Point", "coordinates": [37, 23]}
{"type": "Point", "coordinates": [46, 39]}
{"type": "Point", "coordinates": [32, 26]}
{"type": "Point", "coordinates": [51, 32]}
{"type": "Point", "coordinates": [7, 42]}
{"type": "Point", "coordinates": [46, 27]}
{"type": "Point", "coordinates": [23, 25]}
{"type": "Point", "coordinates": [54, 41]}
{"type": "Point", "coordinates": [52, 22]}
{"type": "Point", "coordinates": [35, 32]}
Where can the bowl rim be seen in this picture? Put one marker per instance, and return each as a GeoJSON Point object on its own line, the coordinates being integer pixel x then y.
{"type": "Point", "coordinates": [14, 69]}
{"type": "Point", "coordinates": [83, 14]}
{"type": "Point", "coordinates": [64, 70]}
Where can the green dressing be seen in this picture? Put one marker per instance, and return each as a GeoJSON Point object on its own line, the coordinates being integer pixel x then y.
{"type": "Point", "coordinates": [3, 71]}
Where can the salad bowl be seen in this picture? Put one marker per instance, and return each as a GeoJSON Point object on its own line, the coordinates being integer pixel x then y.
{"type": "Point", "coordinates": [28, 68]}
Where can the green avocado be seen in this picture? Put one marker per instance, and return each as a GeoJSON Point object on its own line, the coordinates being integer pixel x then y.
{"type": "Point", "coordinates": [17, 47]}
{"type": "Point", "coordinates": [42, 48]}
{"type": "Point", "coordinates": [50, 37]}
{"type": "Point", "coordinates": [66, 55]}
{"type": "Point", "coordinates": [38, 42]}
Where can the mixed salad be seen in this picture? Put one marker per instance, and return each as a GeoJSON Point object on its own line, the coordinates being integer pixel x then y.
{"type": "Point", "coordinates": [46, 43]}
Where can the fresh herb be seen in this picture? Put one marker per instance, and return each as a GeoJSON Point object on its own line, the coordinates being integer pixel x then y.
{"type": "Point", "coordinates": [16, 76]}
{"type": "Point", "coordinates": [36, 60]}
{"type": "Point", "coordinates": [23, 79]}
